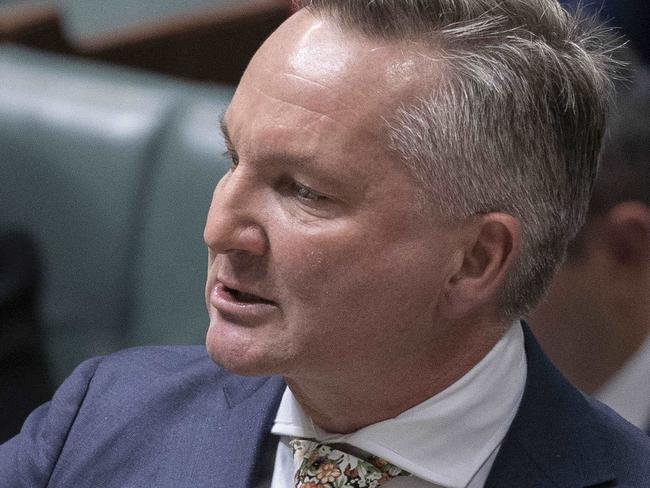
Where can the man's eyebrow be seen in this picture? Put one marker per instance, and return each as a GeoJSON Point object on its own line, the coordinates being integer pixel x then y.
{"type": "Point", "coordinates": [286, 158]}
{"type": "Point", "coordinates": [224, 130]}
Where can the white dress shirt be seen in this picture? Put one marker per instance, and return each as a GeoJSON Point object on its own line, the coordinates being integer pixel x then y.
{"type": "Point", "coordinates": [449, 440]}
{"type": "Point", "coordinates": [628, 391]}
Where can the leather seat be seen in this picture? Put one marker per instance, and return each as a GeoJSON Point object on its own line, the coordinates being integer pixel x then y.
{"type": "Point", "coordinates": [171, 260]}
{"type": "Point", "coordinates": [95, 166]}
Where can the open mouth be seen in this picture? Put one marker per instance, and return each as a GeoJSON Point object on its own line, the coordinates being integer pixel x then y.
{"type": "Point", "coordinates": [243, 297]}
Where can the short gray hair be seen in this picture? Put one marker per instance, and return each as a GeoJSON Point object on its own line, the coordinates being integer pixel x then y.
{"type": "Point", "coordinates": [516, 122]}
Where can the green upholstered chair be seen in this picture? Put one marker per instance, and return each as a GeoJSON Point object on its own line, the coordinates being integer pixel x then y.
{"type": "Point", "coordinates": [84, 19]}
{"type": "Point", "coordinates": [87, 153]}
{"type": "Point", "coordinates": [171, 260]}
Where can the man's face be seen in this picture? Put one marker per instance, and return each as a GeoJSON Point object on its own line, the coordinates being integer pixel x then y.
{"type": "Point", "coordinates": [320, 257]}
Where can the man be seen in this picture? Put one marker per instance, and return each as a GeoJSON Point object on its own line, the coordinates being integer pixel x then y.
{"type": "Point", "coordinates": [595, 321]}
{"type": "Point", "coordinates": [405, 175]}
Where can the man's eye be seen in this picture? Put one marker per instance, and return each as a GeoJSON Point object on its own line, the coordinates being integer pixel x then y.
{"type": "Point", "coordinates": [306, 193]}
{"type": "Point", "coordinates": [234, 159]}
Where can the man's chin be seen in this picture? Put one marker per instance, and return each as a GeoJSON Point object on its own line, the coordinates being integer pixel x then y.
{"type": "Point", "coordinates": [244, 363]}
{"type": "Point", "coordinates": [242, 368]}
{"type": "Point", "coordinates": [246, 351]}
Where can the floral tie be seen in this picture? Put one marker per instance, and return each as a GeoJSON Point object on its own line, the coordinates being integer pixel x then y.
{"type": "Point", "coordinates": [321, 466]}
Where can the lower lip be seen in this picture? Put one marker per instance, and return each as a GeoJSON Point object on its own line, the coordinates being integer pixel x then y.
{"type": "Point", "coordinates": [228, 305]}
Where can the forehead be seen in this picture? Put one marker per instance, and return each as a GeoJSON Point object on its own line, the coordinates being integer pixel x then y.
{"type": "Point", "coordinates": [311, 73]}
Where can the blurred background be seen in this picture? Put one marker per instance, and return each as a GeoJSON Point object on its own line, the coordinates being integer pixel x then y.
{"type": "Point", "coordinates": [109, 152]}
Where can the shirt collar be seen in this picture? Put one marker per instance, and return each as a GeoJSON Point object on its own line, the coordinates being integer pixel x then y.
{"type": "Point", "coordinates": [447, 438]}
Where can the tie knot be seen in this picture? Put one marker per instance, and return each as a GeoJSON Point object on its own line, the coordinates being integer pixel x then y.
{"type": "Point", "coordinates": [319, 465]}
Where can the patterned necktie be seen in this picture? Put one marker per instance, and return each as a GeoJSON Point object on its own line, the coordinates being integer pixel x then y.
{"type": "Point", "coordinates": [320, 466]}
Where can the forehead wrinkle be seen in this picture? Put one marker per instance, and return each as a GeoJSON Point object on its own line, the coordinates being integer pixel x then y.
{"type": "Point", "coordinates": [324, 87]}
{"type": "Point", "coordinates": [351, 86]}
{"type": "Point", "coordinates": [320, 115]}
{"type": "Point", "coordinates": [306, 80]}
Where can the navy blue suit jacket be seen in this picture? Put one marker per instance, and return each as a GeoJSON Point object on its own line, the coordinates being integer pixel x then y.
{"type": "Point", "coordinates": [170, 418]}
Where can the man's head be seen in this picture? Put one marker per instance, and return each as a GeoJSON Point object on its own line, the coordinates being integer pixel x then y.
{"type": "Point", "coordinates": [597, 311]}
{"type": "Point", "coordinates": [514, 123]}
{"type": "Point", "coordinates": [404, 173]}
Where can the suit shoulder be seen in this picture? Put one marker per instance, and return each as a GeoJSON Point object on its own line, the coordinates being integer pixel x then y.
{"type": "Point", "coordinates": [141, 414]}
{"type": "Point", "coordinates": [158, 357]}
{"type": "Point", "coordinates": [155, 366]}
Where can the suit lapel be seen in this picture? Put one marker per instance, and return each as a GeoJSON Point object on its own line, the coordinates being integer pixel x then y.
{"type": "Point", "coordinates": [553, 441]}
{"type": "Point", "coordinates": [253, 404]}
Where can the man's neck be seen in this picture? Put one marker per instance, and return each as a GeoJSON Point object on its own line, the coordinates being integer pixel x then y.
{"type": "Point", "coordinates": [345, 403]}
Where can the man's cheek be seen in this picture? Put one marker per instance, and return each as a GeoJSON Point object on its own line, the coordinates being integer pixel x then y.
{"type": "Point", "coordinates": [320, 274]}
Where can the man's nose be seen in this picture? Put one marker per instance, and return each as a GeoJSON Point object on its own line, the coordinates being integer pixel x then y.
{"type": "Point", "coordinates": [234, 219]}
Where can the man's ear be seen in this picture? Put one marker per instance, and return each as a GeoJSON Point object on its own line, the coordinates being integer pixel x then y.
{"type": "Point", "coordinates": [492, 244]}
{"type": "Point", "coordinates": [626, 234]}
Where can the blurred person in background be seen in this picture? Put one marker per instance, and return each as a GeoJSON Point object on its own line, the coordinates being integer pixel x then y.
{"type": "Point", "coordinates": [23, 374]}
{"type": "Point", "coordinates": [595, 321]}
{"type": "Point", "coordinates": [631, 16]}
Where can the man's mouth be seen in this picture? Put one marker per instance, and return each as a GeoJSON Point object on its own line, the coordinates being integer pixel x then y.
{"type": "Point", "coordinates": [241, 306]}
{"type": "Point", "coordinates": [244, 297]}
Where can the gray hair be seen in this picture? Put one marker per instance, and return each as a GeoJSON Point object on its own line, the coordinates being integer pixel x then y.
{"type": "Point", "coordinates": [515, 124]}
